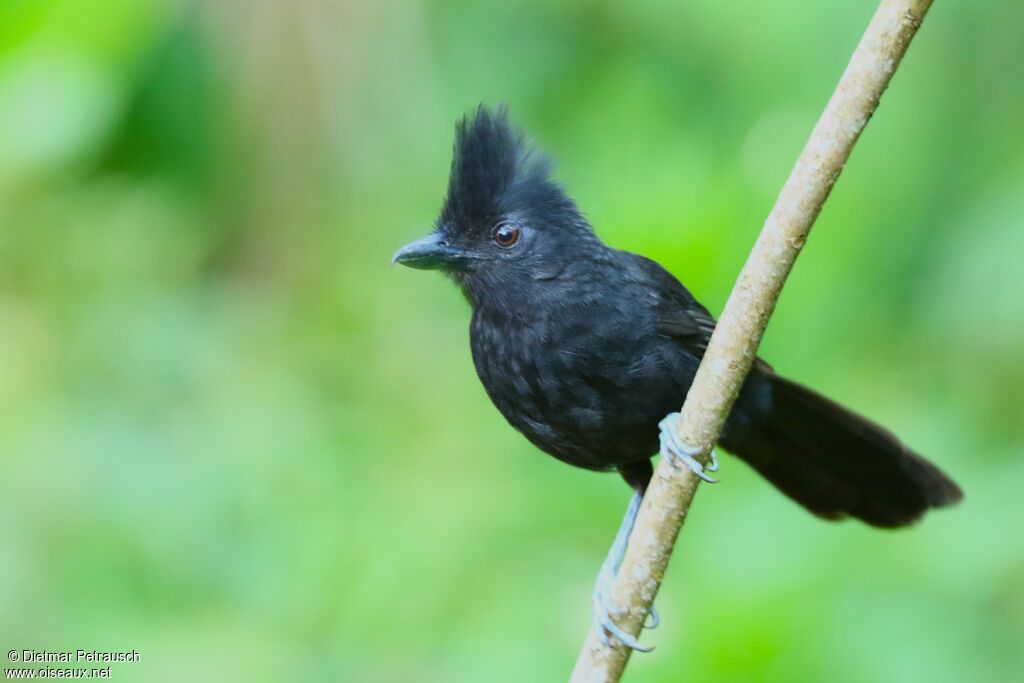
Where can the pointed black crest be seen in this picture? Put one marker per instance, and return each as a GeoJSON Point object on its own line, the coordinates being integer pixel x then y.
{"type": "Point", "coordinates": [485, 160]}
{"type": "Point", "coordinates": [493, 172]}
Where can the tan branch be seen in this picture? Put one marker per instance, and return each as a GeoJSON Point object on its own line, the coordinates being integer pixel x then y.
{"type": "Point", "coordinates": [738, 334]}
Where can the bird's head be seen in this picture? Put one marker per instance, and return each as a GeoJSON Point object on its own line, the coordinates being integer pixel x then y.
{"type": "Point", "coordinates": [504, 220]}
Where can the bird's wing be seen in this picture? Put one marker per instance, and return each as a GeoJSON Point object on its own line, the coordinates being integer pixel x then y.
{"type": "Point", "coordinates": [679, 315]}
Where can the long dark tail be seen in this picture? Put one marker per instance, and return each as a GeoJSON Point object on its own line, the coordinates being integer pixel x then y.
{"type": "Point", "coordinates": [836, 463]}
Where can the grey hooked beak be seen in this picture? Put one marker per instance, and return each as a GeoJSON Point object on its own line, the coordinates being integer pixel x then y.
{"type": "Point", "coordinates": [430, 253]}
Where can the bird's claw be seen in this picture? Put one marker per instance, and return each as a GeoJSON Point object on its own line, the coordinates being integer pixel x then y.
{"type": "Point", "coordinates": [604, 611]}
{"type": "Point", "coordinates": [675, 450]}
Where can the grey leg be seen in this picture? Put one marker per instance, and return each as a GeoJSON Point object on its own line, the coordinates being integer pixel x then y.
{"type": "Point", "coordinates": [603, 609]}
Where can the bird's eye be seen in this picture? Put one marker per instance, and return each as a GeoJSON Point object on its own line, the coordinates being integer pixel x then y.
{"type": "Point", "coordinates": [506, 235]}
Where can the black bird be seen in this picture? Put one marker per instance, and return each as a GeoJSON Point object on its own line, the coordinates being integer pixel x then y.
{"type": "Point", "coordinates": [585, 349]}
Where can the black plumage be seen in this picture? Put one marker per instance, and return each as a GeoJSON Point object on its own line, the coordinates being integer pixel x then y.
{"type": "Point", "coordinates": [584, 348]}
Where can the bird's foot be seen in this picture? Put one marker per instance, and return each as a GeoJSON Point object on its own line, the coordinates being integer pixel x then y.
{"type": "Point", "coordinates": [605, 612]}
{"type": "Point", "coordinates": [676, 451]}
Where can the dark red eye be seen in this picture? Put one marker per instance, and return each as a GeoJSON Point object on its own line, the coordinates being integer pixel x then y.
{"type": "Point", "coordinates": [506, 235]}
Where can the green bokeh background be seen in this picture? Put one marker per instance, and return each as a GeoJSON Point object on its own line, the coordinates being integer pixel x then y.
{"type": "Point", "coordinates": [233, 439]}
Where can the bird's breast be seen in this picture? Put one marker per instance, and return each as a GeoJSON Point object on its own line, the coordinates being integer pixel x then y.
{"type": "Point", "coordinates": [578, 385]}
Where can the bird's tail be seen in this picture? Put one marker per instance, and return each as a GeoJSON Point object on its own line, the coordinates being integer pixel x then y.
{"type": "Point", "coordinates": [836, 463]}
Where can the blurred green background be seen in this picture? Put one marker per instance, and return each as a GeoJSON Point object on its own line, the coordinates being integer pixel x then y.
{"type": "Point", "coordinates": [233, 439]}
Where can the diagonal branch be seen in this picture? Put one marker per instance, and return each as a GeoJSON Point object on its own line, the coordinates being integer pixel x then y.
{"type": "Point", "coordinates": [738, 334]}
